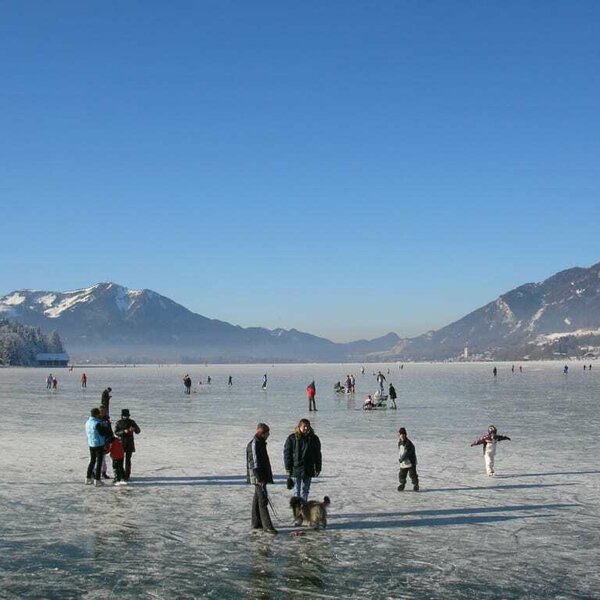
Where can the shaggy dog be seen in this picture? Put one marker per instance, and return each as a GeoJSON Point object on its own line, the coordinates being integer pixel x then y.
{"type": "Point", "coordinates": [312, 513]}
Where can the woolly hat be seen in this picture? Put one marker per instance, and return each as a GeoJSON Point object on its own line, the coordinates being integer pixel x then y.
{"type": "Point", "coordinates": [402, 430]}
{"type": "Point", "coordinates": [125, 412]}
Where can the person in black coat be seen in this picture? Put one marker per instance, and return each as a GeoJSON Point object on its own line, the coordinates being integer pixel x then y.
{"type": "Point", "coordinates": [302, 458]}
{"type": "Point", "coordinates": [105, 401]}
{"type": "Point", "coordinates": [259, 473]}
{"type": "Point", "coordinates": [407, 456]}
{"type": "Point", "coordinates": [124, 429]}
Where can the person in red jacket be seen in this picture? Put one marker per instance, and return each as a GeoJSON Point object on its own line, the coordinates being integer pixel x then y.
{"type": "Point", "coordinates": [311, 392]}
{"type": "Point", "coordinates": [117, 454]}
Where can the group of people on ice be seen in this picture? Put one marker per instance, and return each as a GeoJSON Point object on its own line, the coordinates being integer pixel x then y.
{"type": "Point", "coordinates": [102, 441]}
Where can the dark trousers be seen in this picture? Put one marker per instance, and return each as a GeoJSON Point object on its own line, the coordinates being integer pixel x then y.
{"type": "Point", "coordinates": [128, 454]}
{"type": "Point", "coordinates": [412, 471]}
{"type": "Point", "coordinates": [118, 469]}
{"type": "Point", "coordinates": [261, 519]}
{"type": "Point", "coordinates": [95, 466]}
{"type": "Point", "coordinates": [312, 405]}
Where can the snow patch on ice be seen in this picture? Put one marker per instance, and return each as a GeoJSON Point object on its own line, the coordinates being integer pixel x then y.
{"type": "Point", "coordinates": [568, 321]}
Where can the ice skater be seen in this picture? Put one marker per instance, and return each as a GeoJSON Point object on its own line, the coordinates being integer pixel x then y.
{"type": "Point", "coordinates": [311, 392]}
{"type": "Point", "coordinates": [407, 457]}
{"type": "Point", "coordinates": [489, 441]}
{"type": "Point", "coordinates": [49, 381]}
{"type": "Point", "coordinates": [264, 383]}
{"type": "Point", "coordinates": [380, 380]}
{"type": "Point", "coordinates": [83, 380]}
{"type": "Point", "coordinates": [259, 473]}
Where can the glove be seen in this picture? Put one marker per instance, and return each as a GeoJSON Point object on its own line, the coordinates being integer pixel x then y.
{"type": "Point", "coordinates": [289, 484]}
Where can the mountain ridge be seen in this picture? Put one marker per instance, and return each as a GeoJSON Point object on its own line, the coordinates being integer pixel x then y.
{"type": "Point", "coordinates": [108, 322]}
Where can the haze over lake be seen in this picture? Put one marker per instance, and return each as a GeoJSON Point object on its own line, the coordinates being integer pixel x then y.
{"type": "Point", "coordinates": [181, 529]}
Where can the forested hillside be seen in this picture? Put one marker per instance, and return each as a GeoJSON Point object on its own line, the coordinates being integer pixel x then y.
{"type": "Point", "coordinates": [19, 344]}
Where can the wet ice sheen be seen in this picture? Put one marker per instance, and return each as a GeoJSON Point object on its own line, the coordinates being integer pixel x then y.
{"type": "Point", "coordinates": [181, 529]}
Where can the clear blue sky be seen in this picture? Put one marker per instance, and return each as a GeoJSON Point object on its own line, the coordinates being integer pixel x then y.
{"type": "Point", "coordinates": [345, 168]}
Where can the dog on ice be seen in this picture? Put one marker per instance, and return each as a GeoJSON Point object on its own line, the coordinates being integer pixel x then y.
{"type": "Point", "coordinates": [312, 513]}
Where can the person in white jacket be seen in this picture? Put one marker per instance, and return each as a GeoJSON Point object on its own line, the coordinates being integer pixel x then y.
{"type": "Point", "coordinates": [489, 441]}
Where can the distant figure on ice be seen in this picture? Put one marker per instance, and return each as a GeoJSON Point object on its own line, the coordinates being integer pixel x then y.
{"type": "Point", "coordinates": [54, 383]}
{"type": "Point", "coordinates": [392, 395]}
{"type": "Point", "coordinates": [512, 369]}
{"type": "Point", "coordinates": [407, 457]}
{"type": "Point", "coordinates": [187, 384]}
{"type": "Point", "coordinates": [352, 383]}
{"type": "Point", "coordinates": [311, 392]}
{"type": "Point", "coordinates": [124, 429]}
{"type": "Point", "coordinates": [362, 370]}
{"type": "Point", "coordinates": [264, 383]}
{"type": "Point", "coordinates": [495, 372]}
{"type": "Point", "coordinates": [230, 381]}
{"type": "Point", "coordinates": [259, 473]}
{"type": "Point", "coordinates": [520, 369]}
{"type": "Point", "coordinates": [489, 441]}
{"type": "Point", "coordinates": [105, 400]}
{"type": "Point", "coordinates": [566, 369]}
{"type": "Point", "coordinates": [368, 404]}
{"type": "Point", "coordinates": [302, 458]}
{"type": "Point", "coordinates": [208, 380]}
{"type": "Point", "coordinates": [83, 380]}
{"type": "Point", "coordinates": [49, 381]}
{"type": "Point", "coordinates": [380, 380]}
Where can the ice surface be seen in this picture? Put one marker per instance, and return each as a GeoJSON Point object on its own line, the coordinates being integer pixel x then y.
{"type": "Point", "coordinates": [182, 528]}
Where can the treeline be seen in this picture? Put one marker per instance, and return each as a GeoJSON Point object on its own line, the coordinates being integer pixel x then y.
{"type": "Point", "coordinates": [19, 344]}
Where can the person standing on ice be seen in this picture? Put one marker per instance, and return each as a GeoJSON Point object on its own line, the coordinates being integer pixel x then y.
{"type": "Point", "coordinates": [311, 392]}
{"type": "Point", "coordinates": [380, 380]}
{"type": "Point", "coordinates": [49, 381]}
{"type": "Point", "coordinates": [259, 473]}
{"type": "Point", "coordinates": [302, 458]}
{"type": "Point", "coordinates": [407, 457]}
{"type": "Point", "coordinates": [264, 383]}
{"type": "Point", "coordinates": [489, 441]}
{"type": "Point", "coordinates": [392, 394]}
{"type": "Point", "coordinates": [124, 429]}
{"type": "Point", "coordinates": [83, 380]}
{"type": "Point", "coordinates": [96, 441]}
{"type": "Point", "coordinates": [105, 400]}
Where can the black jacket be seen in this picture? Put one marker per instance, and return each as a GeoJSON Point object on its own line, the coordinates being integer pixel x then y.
{"type": "Point", "coordinates": [258, 465]}
{"type": "Point", "coordinates": [409, 453]}
{"type": "Point", "coordinates": [105, 400]}
{"type": "Point", "coordinates": [302, 455]}
{"type": "Point", "coordinates": [126, 438]}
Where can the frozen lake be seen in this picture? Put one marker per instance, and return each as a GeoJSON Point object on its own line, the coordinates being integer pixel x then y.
{"type": "Point", "coordinates": [181, 529]}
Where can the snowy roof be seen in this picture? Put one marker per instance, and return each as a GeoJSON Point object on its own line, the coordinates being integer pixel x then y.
{"type": "Point", "coordinates": [52, 356]}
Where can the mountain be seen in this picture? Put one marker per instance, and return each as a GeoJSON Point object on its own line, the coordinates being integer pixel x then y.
{"type": "Point", "coordinates": [108, 322]}
{"type": "Point", "coordinates": [560, 315]}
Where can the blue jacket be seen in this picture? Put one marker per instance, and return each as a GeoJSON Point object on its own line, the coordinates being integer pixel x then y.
{"type": "Point", "coordinates": [95, 438]}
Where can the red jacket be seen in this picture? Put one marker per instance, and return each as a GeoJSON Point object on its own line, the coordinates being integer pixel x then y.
{"type": "Point", "coordinates": [116, 449]}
